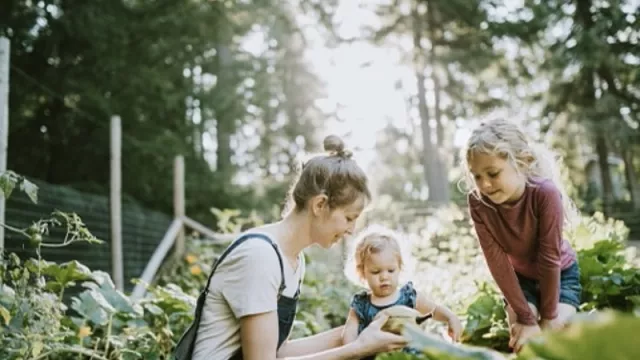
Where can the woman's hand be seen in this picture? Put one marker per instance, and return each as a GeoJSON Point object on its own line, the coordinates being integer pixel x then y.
{"type": "Point", "coordinates": [455, 328]}
{"type": "Point", "coordinates": [521, 333]}
{"type": "Point", "coordinates": [373, 340]}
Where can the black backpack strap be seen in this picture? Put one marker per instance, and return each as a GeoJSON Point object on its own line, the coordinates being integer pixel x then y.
{"type": "Point", "coordinates": [185, 346]}
{"type": "Point", "coordinates": [234, 245]}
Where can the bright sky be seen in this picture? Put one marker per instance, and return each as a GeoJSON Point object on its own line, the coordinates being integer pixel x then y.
{"type": "Point", "coordinates": [359, 79]}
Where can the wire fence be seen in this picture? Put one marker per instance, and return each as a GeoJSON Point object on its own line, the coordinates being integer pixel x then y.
{"type": "Point", "coordinates": [142, 229]}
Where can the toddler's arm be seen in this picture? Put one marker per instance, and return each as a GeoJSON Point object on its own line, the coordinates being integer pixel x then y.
{"type": "Point", "coordinates": [425, 305]}
{"type": "Point", "coordinates": [441, 313]}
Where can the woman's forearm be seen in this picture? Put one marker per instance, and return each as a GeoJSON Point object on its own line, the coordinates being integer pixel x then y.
{"type": "Point", "coordinates": [323, 341]}
{"type": "Point", "coordinates": [344, 352]}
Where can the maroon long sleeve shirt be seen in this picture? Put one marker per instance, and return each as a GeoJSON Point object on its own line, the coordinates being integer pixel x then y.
{"type": "Point", "coordinates": [525, 237]}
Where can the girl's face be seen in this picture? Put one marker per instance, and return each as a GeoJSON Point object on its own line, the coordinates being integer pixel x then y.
{"type": "Point", "coordinates": [497, 178]}
{"type": "Point", "coordinates": [333, 224]}
{"type": "Point", "coordinates": [381, 272]}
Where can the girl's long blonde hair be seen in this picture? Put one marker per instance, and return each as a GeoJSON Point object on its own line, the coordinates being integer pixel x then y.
{"type": "Point", "coordinates": [507, 140]}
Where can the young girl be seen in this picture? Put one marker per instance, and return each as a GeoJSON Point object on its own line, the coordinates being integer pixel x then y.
{"type": "Point", "coordinates": [518, 207]}
{"type": "Point", "coordinates": [377, 262]}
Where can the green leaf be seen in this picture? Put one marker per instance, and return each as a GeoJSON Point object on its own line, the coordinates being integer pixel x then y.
{"type": "Point", "coordinates": [92, 306]}
{"type": "Point", "coordinates": [6, 316]}
{"type": "Point", "coordinates": [153, 309]}
{"type": "Point", "coordinates": [7, 295]}
{"type": "Point", "coordinates": [436, 348]}
{"type": "Point", "coordinates": [7, 183]}
{"type": "Point", "coordinates": [63, 275]}
{"type": "Point", "coordinates": [104, 285]}
{"type": "Point", "coordinates": [602, 335]}
{"type": "Point", "coordinates": [36, 349]}
{"type": "Point", "coordinates": [30, 189]}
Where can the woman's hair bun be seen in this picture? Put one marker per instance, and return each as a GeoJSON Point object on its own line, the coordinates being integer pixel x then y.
{"type": "Point", "coordinates": [333, 144]}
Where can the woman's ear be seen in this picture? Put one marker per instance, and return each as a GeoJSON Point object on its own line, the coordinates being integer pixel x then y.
{"type": "Point", "coordinates": [319, 204]}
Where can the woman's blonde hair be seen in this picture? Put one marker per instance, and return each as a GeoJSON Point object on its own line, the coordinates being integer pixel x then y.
{"type": "Point", "coordinates": [334, 174]}
{"type": "Point", "coordinates": [508, 141]}
{"type": "Point", "coordinates": [374, 240]}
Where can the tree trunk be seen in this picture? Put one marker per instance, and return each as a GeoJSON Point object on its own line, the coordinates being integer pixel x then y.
{"type": "Point", "coordinates": [630, 175]}
{"type": "Point", "coordinates": [605, 174]}
{"type": "Point", "coordinates": [225, 121]}
{"type": "Point", "coordinates": [429, 161]}
{"type": "Point", "coordinates": [440, 150]}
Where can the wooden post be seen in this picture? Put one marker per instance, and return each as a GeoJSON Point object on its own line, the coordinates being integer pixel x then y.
{"type": "Point", "coordinates": [4, 120]}
{"type": "Point", "coordinates": [116, 204]}
{"type": "Point", "coordinates": [178, 202]}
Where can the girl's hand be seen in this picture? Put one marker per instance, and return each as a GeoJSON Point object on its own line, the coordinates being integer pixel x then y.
{"type": "Point", "coordinates": [455, 328]}
{"type": "Point", "coordinates": [521, 333]}
{"type": "Point", "coordinates": [553, 324]}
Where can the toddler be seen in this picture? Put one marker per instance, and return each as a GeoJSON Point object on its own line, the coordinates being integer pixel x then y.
{"type": "Point", "coordinates": [377, 262]}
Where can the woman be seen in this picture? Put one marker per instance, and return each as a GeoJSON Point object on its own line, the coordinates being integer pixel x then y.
{"type": "Point", "coordinates": [254, 289]}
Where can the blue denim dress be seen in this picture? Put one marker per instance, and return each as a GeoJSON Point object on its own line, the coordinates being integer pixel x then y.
{"type": "Point", "coordinates": [366, 311]}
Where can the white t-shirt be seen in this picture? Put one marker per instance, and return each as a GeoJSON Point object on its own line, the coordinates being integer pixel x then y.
{"type": "Point", "coordinates": [245, 283]}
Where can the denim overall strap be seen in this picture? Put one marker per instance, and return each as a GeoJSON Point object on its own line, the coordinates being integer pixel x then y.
{"type": "Point", "coordinates": [287, 309]}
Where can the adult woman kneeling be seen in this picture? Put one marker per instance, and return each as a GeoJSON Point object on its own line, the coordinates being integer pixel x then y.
{"type": "Point", "coordinates": [253, 293]}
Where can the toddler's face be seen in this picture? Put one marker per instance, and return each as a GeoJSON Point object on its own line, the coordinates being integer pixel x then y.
{"type": "Point", "coordinates": [381, 272]}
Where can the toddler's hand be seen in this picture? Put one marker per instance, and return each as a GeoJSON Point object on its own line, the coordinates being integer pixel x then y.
{"type": "Point", "coordinates": [455, 328]}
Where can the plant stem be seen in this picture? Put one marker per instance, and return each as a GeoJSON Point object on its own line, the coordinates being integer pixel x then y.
{"type": "Point", "coordinates": [106, 347]}
{"type": "Point", "coordinates": [77, 351]}
{"type": "Point", "coordinates": [14, 229]}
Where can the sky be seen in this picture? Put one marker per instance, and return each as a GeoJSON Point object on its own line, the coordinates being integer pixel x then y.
{"type": "Point", "coordinates": [366, 94]}
{"type": "Point", "coordinates": [359, 79]}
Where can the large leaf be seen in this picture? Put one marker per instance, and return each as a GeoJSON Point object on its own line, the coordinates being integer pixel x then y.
{"type": "Point", "coordinates": [63, 275]}
{"type": "Point", "coordinates": [436, 348]}
{"type": "Point", "coordinates": [104, 285]}
{"type": "Point", "coordinates": [7, 295]}
{"type": "Point", "coordinates": [8, 181]}
{"type": "Point", "coordinates": [30, 189]}
{"type": "Point", "coordinates": [91, 305]}
{"type": "Point", "coordinates": [606, 335]}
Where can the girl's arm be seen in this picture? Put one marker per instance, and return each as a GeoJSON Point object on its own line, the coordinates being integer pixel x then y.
{"type": "Point", "coordinates": [551, 215]}
{"type": "Point", "coordinates": [259, 341]}
{"type": "Point", "coordinates": [502, 270]}
{"type": "Point", "coordinates": [350, 333]}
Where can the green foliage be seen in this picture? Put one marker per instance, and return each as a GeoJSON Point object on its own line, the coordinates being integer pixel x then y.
{"type": "Point", "coordinates": [9, 180]}
{"type": "Point", "coordinates": [102, 323]}
{"type": "Point", "coordinates": [602, 335]}
{"type": "Point", "coordinates": [486, 323]}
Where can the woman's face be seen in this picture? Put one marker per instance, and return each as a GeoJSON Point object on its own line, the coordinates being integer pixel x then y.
{"type": "Point", "coordinates": [331, 225]}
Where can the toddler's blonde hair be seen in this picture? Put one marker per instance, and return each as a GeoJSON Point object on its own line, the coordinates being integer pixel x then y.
{"type": "Point", "coordinates": [374, 240]}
